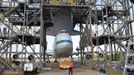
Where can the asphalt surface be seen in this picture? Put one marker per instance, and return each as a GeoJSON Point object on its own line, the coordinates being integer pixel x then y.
{"type": "Point", "coordinates": [65, 72]}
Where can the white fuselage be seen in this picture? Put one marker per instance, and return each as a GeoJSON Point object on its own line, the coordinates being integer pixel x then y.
{"type": "Point", "coordinates": [63, 45]}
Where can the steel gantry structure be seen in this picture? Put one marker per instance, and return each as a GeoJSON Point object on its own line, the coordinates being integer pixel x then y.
{"type": "Point", "coordinates": [109, 27]}
{"type": "Point", "coordinates": [105, 25]}
{"type": "Point", "coordinates": [20, 16]}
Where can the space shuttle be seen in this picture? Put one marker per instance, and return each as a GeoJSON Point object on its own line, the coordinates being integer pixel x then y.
{"type": "Point", "coordinates": [62, 29]}
{"type": "Point", "coordinates": [63, 44]}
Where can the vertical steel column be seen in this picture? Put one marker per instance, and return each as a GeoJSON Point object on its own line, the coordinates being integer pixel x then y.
{"type": "Point", "coordinates": [10, 51]}
{"type": "Point", "coordinates": [131, 18]}
{"type": "Point", "coordinates": [89, 26]}
{"type": "Point", "coordinates": [45, 45]}
{"type": "Point", "coordinates": [42, 33]}
{"type": "Point", "coordinates": [24, 24]}
{"type": "Point", "coordinates": [81, 43]}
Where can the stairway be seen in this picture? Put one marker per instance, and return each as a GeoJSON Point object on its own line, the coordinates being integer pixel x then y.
{"type": "Point", "coordinates": [7, 24]}
{"type": "Point", "coordinates": [6, 62]}
{"type": "Point", "coordinates": [8, 10]}
{"type": "Point", "coordinates": [7, 44]}
{"type": "Point", "coordinates": [129, 61]}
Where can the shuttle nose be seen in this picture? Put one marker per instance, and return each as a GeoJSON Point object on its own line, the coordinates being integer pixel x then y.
{"type": "Point", "coordinates": [63, 44]}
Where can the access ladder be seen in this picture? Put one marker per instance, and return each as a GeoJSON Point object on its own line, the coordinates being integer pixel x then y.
{"type": "Point", "coordinates": [129, 62]}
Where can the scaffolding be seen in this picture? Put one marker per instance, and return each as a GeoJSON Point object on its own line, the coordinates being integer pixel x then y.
{"type": "Point", "coordinates": [106, 23]}
{"type": "Point", "coordinates": [108, 28]}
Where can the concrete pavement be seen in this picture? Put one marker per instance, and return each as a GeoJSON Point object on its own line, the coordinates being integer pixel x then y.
{"type": "Point", "coordinates": [65, 72]}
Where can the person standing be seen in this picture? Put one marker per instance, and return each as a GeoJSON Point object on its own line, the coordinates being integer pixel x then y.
{"type": "Point", "coordinates": [71, 65]}
{"type": "Point", "coordinates": [2, 68]}
{"type": "Point", "coordinates": [102, 72]}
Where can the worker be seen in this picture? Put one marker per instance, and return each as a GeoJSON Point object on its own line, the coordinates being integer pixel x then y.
{"type": "Point", "coordinates": [130, 71]}
{"type": "Point", "coordinates": [78, 2]}
{"type": "Point", "coordinates": [71, 65]}
{"type": "Point", "coordinates": [130, 61]}
{"type": "Point", "coordinates": [2, 68]}
{"type": "Point", "coordinates": [102, 72]}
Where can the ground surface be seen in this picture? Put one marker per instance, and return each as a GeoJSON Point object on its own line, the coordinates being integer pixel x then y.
{"type": "Point", "coordinates": [76, 71]}
{"type": "Point", "coordinates": [80, 71]}
{"type": "Point", "coordinates": [65, 72]}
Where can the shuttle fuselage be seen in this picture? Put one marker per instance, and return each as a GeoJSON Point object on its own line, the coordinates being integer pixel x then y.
{"type": "Point", "coordinates": [63, 44]}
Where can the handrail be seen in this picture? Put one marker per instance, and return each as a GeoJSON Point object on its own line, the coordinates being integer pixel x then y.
{"type": "Point", "coordinates": [7, 63]}
{"type": "Point", "coordinates": [7, 43]}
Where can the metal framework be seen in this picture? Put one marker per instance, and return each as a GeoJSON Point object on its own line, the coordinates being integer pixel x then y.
{"type": "Point", "coordinates": [105, 25]}
{"type": "Point", "coordinates": [108, 28]}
